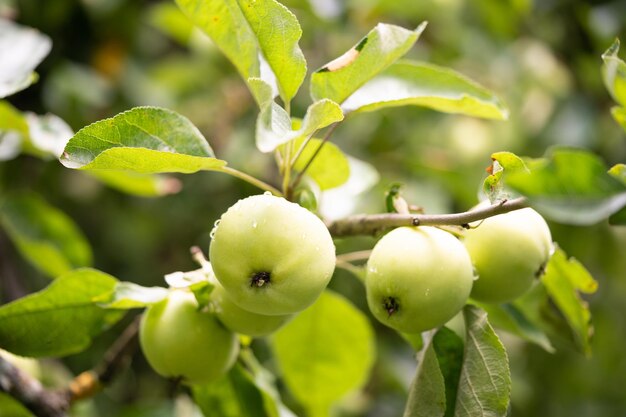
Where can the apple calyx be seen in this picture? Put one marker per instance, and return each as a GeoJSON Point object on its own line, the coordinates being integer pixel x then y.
{"type": "Point", "coordinates": [259, 279]}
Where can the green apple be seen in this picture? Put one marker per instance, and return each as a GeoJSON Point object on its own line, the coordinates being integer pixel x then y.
{"type": "Point", "coordinates": [417, 278]}
{"type": "Point", "coordinates": [508, 251]}
{"type": "Point", "coordinates": [242, 321]}
{"type": "Point", "coordinates": [178, 340]}
{"type": "Point", "coordinates": [272, 256]}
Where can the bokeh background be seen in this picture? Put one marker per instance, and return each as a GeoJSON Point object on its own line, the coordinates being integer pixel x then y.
{"type": "Point", "coordinates": [541, 57]}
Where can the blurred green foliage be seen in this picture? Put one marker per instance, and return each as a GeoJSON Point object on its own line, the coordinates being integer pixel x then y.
{"type": "Point", "coordinates": [542, 58]}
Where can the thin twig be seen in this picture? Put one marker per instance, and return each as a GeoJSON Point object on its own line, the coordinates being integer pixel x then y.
{"type": "Point", "coordinates": [251, 180]}
{"type": "Point", "coordinates": [371, 224]}
{"type": "Point", "coordinates": [30, 393]}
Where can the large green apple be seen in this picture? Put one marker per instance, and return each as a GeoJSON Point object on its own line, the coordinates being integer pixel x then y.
{"type": "Point", "coordinates": [508, 251]}
{"type": "Point", "coordinates": [242, 321]}
{"type": "Point", "coordinates": [178, 340]}
{"type": "Point", "coordinates": [272, 256]}
{"type": "Point", "coordinates": [417, 278]}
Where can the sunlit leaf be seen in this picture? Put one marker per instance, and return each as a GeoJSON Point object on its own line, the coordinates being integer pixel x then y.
{"type": "Point", "coordinates": [44, 235]}
{"type": "Point", "coordinates": [21, 50]}
{"type": "Point", "coordinates": [325, 352]}
{"type": "Point", "coordinates": [570, 186]}
{"type": "Point", "coordinates": [380, 48]}
{"type": "Point", "coordinates": [127, 295]}
{"type": "Point", "coordinates": [61, 319]}
{"type": "Point", "coordinates": [48, 133]}
{"type": "Point", "coordinates": [426, 85]}
{"type": "Point", "coordinates": [13, 131]}
{"type": "Point", "coordinates": [485, 381]}
{"type": "Point", "coordinates": [614, 73]}
{"type": "Point", "coordinates": [329, 169]}
{"type": "Point", "coordinates": [619, 114]}
{"type": "Point", "coordinates": [274, 126]}
{"type": "Point", "coordinates": [564, 280]}
{"type": "Point", "coordinates": [251, 32]}
{"type": "Point", "coordinates": [144, 140]}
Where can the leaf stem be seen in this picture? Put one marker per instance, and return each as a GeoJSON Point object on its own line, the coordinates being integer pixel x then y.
{"type": "Point", "coordinates": [317, 151]}
{"type": "Point", "coordinates": [371, 224]}
{"type": "Point", "coordinates": [251, 180]}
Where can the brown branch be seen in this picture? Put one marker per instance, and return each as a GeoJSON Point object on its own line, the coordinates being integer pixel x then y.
{"type": "Point", "coordinates": [29, 391]}
{"type": "Point", "coordinates": [44, 402]}
{"type": "Point", "coordinates": [371, 224]}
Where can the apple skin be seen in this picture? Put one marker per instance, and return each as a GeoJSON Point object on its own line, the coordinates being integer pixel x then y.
{"type": "Point", "coordinates": [509, 251]}
{"type": "Point", "coordinates": [180, 341]}
{"type": "Point", "coordinates": [417, 278]}
{"type": "Point", "coordinates": [272, 256]}
{"type": "Point", "coordinates": [242, 321]}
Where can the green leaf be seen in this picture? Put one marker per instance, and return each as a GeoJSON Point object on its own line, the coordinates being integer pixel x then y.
{"type": "Point", "coordinates": [45, 236]}
{"type": "Point", "coordinates": [449, 348]}
{"type": "Point", "coordinates": [564, 280]}
{"type": "Point", "coordinates": [13, 131]}
{"type": "Point", "coordinates": [274, 126]}
{"type": "Point", "coordinates": [485, 382]}
{"type": "Point", "coordinates": [278, 32]}
{"type": "Point", "coordinates": [619, 114]}
{"type": "Point", "coordinates": [614, 73]}
{"type": "Point", "coordinates": [169, 19]}
{"type": "Point", "coordinates": [380, 48]}
{"type": "Point", "coordinates": [329, 169]}
{"type": "Point", "coordinates": [512, 319]}
{"type": "Point", "coordinates": [60, 319]}
{"type": "Point", "coordinates": [21, 50]}
{"type": "Point", "coordinates": [325, 352]}
{"type": "Point", "coordinates": [250, 33]}
{"type": "Point", "coordinates": [426, 85]}
{"type": "Point", "coordinates": [619, 171]}
{"type": "Point", "coordinates": [10, 407]}
{"type": "Point", "coordinates": [427, 394]}
{"type": "Point", "coordinates": [128, 295]}
{"type": "Point", "coordinates": [502, 163]}
{"type": "Point", "coordinates": [142, 185]}
{"type": "Point", "coordinates": [570, 186]}
{"type": "Point", "coordinates": [145, 140]}
{"type": "Point", "coordinates": [234, 395]}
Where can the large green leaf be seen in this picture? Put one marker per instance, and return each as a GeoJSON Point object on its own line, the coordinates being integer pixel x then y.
{"type": "Point", "coordinates": [614, 73]}
{"type": "Point", "coordinates": [329, 169]}
{"type": "Point", "coordinates": [250, 33]}
{"type": "Point", "coordinates": [144, 140]}
{"type": "Point", "coordinates": [564, 280]}
{"type": "Point", "coordinates": [274, 126]}
{"type": "Point", "coordinates": [21, 50]}
{"type": "Point", "coordinates": [325, 352]}
{"type": "Point", "coordinates": [60, 319]}
{"type": "Point", "coordinates": [44, 235]}
{"type": "Point", "coordinates": [128, 295]}
{"type": "Point", "coordinates": [485, 381]}
{"type": "Point", "coordinates": [457, 378]}
{"type": "Point", "coordinates": [426, 85]}
{"type": "Point", "coordinates": [427, 394]}
{"type": "Point", "coordinates": [570, 186]}
{"type": "Point", "coordinates": [380, 48]}
{"type": "Point", "coordinates": [247, 390]}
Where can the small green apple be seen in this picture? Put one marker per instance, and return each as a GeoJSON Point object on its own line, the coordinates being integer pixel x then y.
{"type": "Point", "coordinates": [509, 251]}
{"type": "Point", "coordinates": [272, 256]}
{"type": "Point", "coordinates": [242, 321]}
{"type": "Point", "coordinates": [178, 340]}
{"type": "Point", "coordinates": [417, 278]}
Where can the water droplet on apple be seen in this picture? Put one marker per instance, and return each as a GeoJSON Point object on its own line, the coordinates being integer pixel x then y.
{"type": "Point", "coordinates": [267, 193]}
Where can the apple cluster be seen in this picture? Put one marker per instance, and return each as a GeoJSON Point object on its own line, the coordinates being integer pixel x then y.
{"type": "Point", "coordinates": [270, 259]}
{"type": "Point", "coordinates": [419, 278]}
